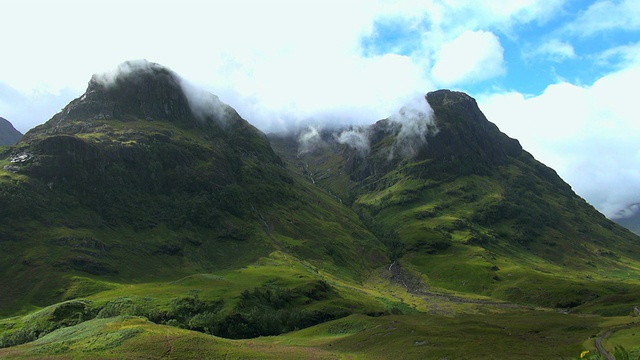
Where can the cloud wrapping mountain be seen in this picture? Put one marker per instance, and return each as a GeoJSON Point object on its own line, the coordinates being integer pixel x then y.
{"type": "Point", "coordinates": [329, 65]}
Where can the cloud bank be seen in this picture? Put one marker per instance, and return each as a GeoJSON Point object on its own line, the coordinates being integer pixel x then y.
{"type": "Point", "coordinates": [414, 123]}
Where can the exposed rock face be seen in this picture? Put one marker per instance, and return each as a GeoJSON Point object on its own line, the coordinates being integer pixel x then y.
{"type": "Point", "coordinates": [465, 133]}
{"type": "Point", "coordinates": [8, 134]}
{"type": "Point", "coordinates": [463, 141]}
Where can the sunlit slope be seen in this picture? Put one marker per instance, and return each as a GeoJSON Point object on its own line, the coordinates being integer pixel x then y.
{"type": "Point", "coordinates": [475, 213]}
{"type": "Point", "coordinates": [523, 336]}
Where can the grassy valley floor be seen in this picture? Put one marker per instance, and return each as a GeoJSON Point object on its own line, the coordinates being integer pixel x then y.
{"type": "Point", "coordinates": [385, 322]}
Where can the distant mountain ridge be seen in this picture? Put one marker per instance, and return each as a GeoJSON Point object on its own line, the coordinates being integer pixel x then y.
{"type": "Point", "coordinates": [630, 218]}
{"type": "Point", "coordinates": [8, 134]}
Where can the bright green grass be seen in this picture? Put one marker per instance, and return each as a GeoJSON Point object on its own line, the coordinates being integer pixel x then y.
{"type": "Point", "coordinates": [516, 334]}
{"type": "Point", "coordinates": [278, 269]}
{"type": "Point", "coordinates": [522, 335]}
{"type": "Point", "coordinates": [133, 338]}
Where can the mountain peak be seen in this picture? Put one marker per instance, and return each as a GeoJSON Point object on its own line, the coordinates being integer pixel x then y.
{"type": "Point", "coordinates": [449, 96]}
{"type": "Point", "coordinates": [132, 71]}
{"type": "Point", "coordinates": [135, 90]}
{"type": "Point", "coordinates": [465, 133]}
{"type": "Point", "coordinates": [142, 90]}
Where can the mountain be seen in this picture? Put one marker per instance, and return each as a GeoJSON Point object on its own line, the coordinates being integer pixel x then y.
{"type": "Point", "coordinates": [136, 181]}
{"type": "Point", "coordinates": [630, 218]}
{"type": "Point", "coordinates": [149, 219]}
{"type": "Point", "coordinates": [8, 134]}
{"type": "Point", "coordinates": [469, 209]}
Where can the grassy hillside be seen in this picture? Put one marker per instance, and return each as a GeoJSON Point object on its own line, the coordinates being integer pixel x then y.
{"type": "Point", "coordinates": [474, 213]}
{"type": "Point", "coordinates": [133, 226]}
{"type": "Point", "coordinates": [511, 335]}
{"type": "Point", "coordinates": [128, 185]}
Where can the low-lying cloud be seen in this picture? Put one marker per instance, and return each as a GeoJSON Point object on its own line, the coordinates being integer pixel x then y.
{"type": "Point", "coordinates": [413, 124]}
{"type": "Point", "coordinates": [416, 124]}
{"type": "Point", "coordinates": [111, 77]}
{"type": "Point", "coordinates": [309, 139]}
{"type": "Point", "coordinates": [204, 105]}
{"type": "Point", "coordinates": [291, 68]}
{"type": "Point", "coordinates": [357, 138]}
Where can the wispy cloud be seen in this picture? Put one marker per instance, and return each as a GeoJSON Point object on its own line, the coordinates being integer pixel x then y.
{"type": "Point", "coordinates": [606, 15]}
{"type": "Point", "coordinates": [552, 50]}
{"type": "Point", "coordinates": [620, 56]}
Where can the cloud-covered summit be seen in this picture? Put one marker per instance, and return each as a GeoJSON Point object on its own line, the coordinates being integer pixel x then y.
{"type": "Point", "coordinates": [329, 64]}
{"type": "Point", "coordinates": [147, 90]}
{"type": "Point", "coordinates": [411, 125]}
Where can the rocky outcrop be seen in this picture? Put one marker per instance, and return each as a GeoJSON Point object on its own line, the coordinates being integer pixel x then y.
{"type": "Point", "coordinates": [460, 141]}
{"type": "Point", "coordinates": [465, 133]}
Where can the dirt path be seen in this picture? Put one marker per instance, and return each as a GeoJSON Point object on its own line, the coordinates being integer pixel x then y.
{"type": "Point", "coordinates": [600, 339]}
{"type": "Point", "coordinates": [169, 348]}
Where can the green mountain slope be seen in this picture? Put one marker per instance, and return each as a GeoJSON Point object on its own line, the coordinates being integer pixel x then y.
{"type": "Point", "coordinates": [148, 219]}
{"type": "Point", "coordinates": [471, 211]}
{"type": "Point", "coordinates": [131, 182]}
{"type": "Point", "coordinates": [8, 134]}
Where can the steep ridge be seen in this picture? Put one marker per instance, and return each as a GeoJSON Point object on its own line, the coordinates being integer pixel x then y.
{"type": "Point", "coordinates": [8, 134]}
{"type": "Point", "coordinates": [471, 211]}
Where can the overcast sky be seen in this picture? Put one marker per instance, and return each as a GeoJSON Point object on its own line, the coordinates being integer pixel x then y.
{"type": "Point", "coordinates": [559, 75]}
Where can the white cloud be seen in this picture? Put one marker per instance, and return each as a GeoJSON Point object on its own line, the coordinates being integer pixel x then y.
{"type": "Point", "coordinates": [554, 50]}
{"type": "Point", "coordinates": [505, 13]}
{"type": "Point", "coordinates": [590, 135]}
{"type": "Point", "coordinates": [463, 15]}
{"type": "Point", "coordinates": [606, 15]}
{"type": "Point", "coordinates": [274, 61]}
{"type": "Point", "coordinates": [620, 56]}
{"type": "Point", "coordinates": [471, 57]}
{"type": "Point", "coordinates": [299, 62]}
